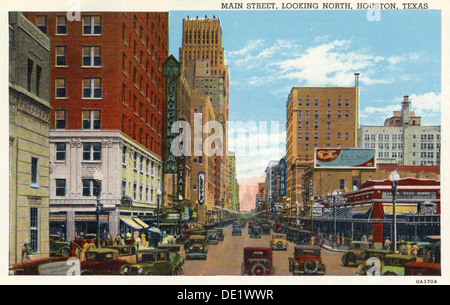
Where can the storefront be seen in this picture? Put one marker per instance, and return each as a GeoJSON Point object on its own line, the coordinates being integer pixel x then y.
{"type": "Point", "coordinates": [369, 211]}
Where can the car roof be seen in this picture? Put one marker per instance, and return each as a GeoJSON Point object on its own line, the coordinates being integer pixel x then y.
{"type": "Point", "coordinates": [103, 250]}
{"type": "Point", "coordinates": [197, 237]}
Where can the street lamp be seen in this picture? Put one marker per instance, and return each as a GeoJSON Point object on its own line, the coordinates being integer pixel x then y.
{"type": "Point", "coordinates": [394, 177]}
{"type": "Point", "coordinates": [97, 190]}
{"type": "Point", "coordinates": [158, 195]}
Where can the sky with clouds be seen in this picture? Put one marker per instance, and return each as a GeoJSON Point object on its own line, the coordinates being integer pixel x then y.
{"type": "Point", "coordinates": [269, 52]}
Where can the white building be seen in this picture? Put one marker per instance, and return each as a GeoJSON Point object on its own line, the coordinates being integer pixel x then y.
{"type": "Point", "coordinates": [403, 140]}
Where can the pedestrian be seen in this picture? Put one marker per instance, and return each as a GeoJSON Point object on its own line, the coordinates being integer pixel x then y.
{"type": "Point", "coordinates": [338, 240]}
{"type": "Point", "coordinates": [387, 244]}
{"type": "Point", "coordinates": [144, 240]}
{"type": "Point", "coordinates": [313, 240]}
{"type": "Point", "coordinates": [415, 249]}
{"type": "Point", "coordinates": [137, 240]}
{"type": "Point", "coordinates": [364, 238]}
{"type": "Point", "coordinates": [25, 252]}
{"type": "Point", "coordinates": [109, 242]}
{"type": "Point", "coordinates": [88, 245]}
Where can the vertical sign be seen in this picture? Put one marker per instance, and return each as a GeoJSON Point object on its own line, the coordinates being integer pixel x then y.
{"type": "Point", "coordinates": [171, 70]}
{"type": "Point", "coordinates": [201, 188]}
{"type": "Point", "coordinates": [283, 177]}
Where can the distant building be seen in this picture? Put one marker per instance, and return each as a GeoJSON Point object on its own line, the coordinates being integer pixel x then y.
{"type": "Point", "coordinates": [29, 104]}
{"type": "Point", "coordinates": [403, 140]}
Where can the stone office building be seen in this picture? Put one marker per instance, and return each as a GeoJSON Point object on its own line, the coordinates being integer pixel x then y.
{"type": "Point", "coordinates": [29, 104]}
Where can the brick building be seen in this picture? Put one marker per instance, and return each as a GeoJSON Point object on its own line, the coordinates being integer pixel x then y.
{"type": "Point", "coordinates": [108, 99]}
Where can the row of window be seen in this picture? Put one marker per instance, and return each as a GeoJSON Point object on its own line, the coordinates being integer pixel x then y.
{"type": "Point", "coordinates": [306, 103]}
{"type": "Point", "coordinates": [91, 88]}
{"type": "Point", "coordinates": [92, 25]}
{"type": "Point", "coordinates": [92, 151]}
{"type": "Point", "coordinates": [140, 162]}
{"type": "Point", "coordinates": [91, 56]}
{"type": "Point", "coordinates": [316, 136]}
{"type": "Point", "coordinates": [395, 137]}
{"type": "Point", "coordinates": [316, 114]}
{"type": "Point", "coordinates": [92, 119]}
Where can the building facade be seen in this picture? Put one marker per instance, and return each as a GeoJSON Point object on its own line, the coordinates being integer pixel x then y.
{"type": "Point", "coordinates": [29, 125]}
{"type": "Point", "coordinates": [317, 117]}
{"type": "Point", "coordinates": [106, 76]}
{"type": "Point", "coordinates": [403, 140]}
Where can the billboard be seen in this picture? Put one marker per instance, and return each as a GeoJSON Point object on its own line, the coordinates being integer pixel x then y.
{"type": "Point", "coordinates": [345, 158]}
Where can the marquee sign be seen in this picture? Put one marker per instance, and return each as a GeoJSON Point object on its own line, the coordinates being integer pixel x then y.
{"type": "Point", "coordinates": [171, 70]}
{"type": "Point", "coordinates": [201, 188]}
{"type": "Point", "coordinates": [283, 177]}
{"type": "Point", "coordinates": [345, 158]}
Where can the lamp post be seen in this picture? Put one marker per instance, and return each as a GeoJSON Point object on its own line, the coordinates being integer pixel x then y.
{"type": "Point", "coordinates": [97, 190]}
{"type": "Point", "coordinates": [394, 177]}
{"type": "Point", "coordinates": [158, 199]}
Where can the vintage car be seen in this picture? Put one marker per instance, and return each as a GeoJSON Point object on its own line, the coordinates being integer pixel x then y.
{"type": "Point", "coordinates": [155, 262]}
{"type": "Point", "coordinates": [237, 229]}
{"type": "Point", "coordinates": [306, 261]}
{"type": "Point", "coordinates": [193, 231]}
{"type": "Point", "coordinates": [432, 251]}
{"type": "Point", "coordinates": [212, 237]}
{"type": "Point", "coordinates": [279, 242]}
{"type": "Point", "coordinates": [59, 247]}
{"type": "Point", "coordinates": [221, 235]}
{"type": "Point", "coordinates": [395, 264]}
{"type": "Point", "coordinates": [103, 261]}
{"type": "Point", "coordinates": [298, 236]}
{"type": "Point", "coordinates": [356, 254]}
{"type": "Point", "coordinates": [255, 231]}
{"type": "Point", "coordinates": [126, 252]}
{"type": "Point", "coordinates": [79, 242]}
{"type": "Point", "coordinates": [196, 247]}
{"type": "Point", "coordinates": [422, 268]}
{"type": "Point", "coordinates": [257, 261]}
{"type": "Point", "coordinates": [42, 266]}
{"type": "Point", "coordinates": [369, 254]}
{"type": "Point", "coordinates": [266, 229]}
{"type": "Point", "coordinates": [175, 252]}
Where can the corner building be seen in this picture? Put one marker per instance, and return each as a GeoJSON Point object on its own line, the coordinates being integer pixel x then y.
{"type": "Point", "coordinates": [108, 99]}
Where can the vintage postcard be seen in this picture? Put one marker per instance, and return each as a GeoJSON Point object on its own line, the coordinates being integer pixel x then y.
{"type": "Point", "coordinates": [225, 143]}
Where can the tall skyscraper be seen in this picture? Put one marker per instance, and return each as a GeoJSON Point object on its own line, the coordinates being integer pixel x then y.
{"type": "Point", "coordinates": [107, 122]}
{"type": "Point", "coordinates": [317, 117]}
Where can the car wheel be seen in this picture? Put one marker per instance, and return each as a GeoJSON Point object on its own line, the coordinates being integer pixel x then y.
{"type": "Point", "coordinates": [280, 244]}
{"type": "Point", "coordinates": [259, 269]}
{"type": "Point", "coordinates": [176, 271]}
{"type": "Point", "coordinates": [311, 266]}
{"type": "Point", "coordinates": [65, 251]}
{"type": "Point", "coordinates": [87, 272]}
{"type": "Point", "coordinates": [390, 273]}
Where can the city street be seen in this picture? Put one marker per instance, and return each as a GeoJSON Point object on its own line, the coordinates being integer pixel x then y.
{"type": "Point", "coordinates": [226, 257]}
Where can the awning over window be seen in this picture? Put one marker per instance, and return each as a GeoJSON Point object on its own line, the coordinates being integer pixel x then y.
{"type": "Point", "coordinates": [400, 208]}
{"type": "Point", "coordinates": [140, 222]}
{"type": "Point", "coordinates": [129, 221]}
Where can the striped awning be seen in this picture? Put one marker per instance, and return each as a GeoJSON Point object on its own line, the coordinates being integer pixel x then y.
{"type": "Point", "coordinates": [140, 222]}
{"type": "Point", "coordinates": [129, 221]}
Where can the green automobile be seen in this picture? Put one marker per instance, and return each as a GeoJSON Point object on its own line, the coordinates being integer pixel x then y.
{"type": "Point", "coordinates": [395, 264]}
{"type": "Point", "coordinates": [370, 254]}
{"type": "Point", "coordinates": [155, 262]}
{"type": "Point", "coordinates": [175, 252]}
{"type": "Point", "coordinates": [59, 247]}
{"type": "Point", "coordinates": [356, 254]}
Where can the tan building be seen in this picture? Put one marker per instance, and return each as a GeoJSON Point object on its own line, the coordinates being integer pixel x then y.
{"type": "Point", "coordinates": [317, 117]}
{"type": "Point", "coordinates": [203, 62]}
{"type": "Point", "coordinates": [29, 104]}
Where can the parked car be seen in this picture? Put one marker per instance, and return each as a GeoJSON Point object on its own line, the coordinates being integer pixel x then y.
{"type": "Point", "coordinates": [196, 247]}
{"type": "Point", "coordinates": [221, 235]}
{"type": "Point", "coordinates": [237, 229]}
{"type": "Point", "coordinates": [279, 242]}
{"type": "Point", "coordinates": [257, 261]}
{"type": "Point", "coordinates": [265, 229]}
{"type": "Point", "coordinates": [395, 264]}
{"type": "Point", "coordinates": [371, 253]}
{"type": "Point", "coordinates": [422, 268]}
{"type": "Point", "coordinates": [175, 252]}
{"type": "Point", "coordinates": [103, 261]}
{"type": "Point", "coordinates": [306, 261]}
{"type": "Point", "coordinates": [298, 236]}
{"type": "Point", "coordinates": [126, 252]}
{"type": "Point", "coordinates": [356, 254]}
{"type": "Point", "coordinates": [59, 247]}
{"type": "Point", "coordinates": [432, 251]}
{"type": "Point", "coordinates": [42, 266]}
{"type": "Point", "coordinates": [212, 237]}
{"type": "Point", "coordinates": [255, 231]}
{"type": "Point", "coordinates": [79, 242]}
{"type": "Point", "coordinates": [155, 262]}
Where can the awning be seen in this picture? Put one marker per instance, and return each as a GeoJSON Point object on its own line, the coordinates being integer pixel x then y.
{"type": "Point", "coordinates": [129, 221]}
{"type": "Point", "coordinates": [140, 222]}
{"type": "Point", "coordinates": [400, 208]}
{"type": "Point", "coordinates": [362, 208]}
{"type": "Point", "coordinates": [155, 230]}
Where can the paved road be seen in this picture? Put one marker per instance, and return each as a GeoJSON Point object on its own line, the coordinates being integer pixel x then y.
{"type": "Point", "coordinates": [226, 257]}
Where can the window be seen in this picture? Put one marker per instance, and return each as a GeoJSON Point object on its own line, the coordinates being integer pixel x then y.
{"type": "Point", "coordinates": [92, 25]}
{"type": "Point", "coordinates": [124, 155]}
{"type": "Point", "coordinates": [342, 184]}
{"type": "Point", "coordinates": [329, 102]}
{"type": "Point", "coordinates": [92, 56]}
{"type": "Point", "coordinates": [60, 187]}
{"type": "Point", "coordinates": [61, 56]}
{"type": "Point", "coordinates": [92, 119]}
{"type": "Point", "coordinates": [124, 188]}
{"type": "Point", "coordinates": [92, 151]}
{"type": "Point", "coordinates": [41, 23]}
{"type": "Point", "coordinates": [34, 172]}
{"type": "Point", "coordinates": [34, 230]}
{"type": "Point", "coordinates": [29, 73]}
{"type": "Point", "coordinates": [60, 119]}
{"type": "Point", "coordinates": [92, 88]}
{"type": "Point", "coordinates": [61, 88]}
{"type": "Point", "coordinates": [88, 187]}
{"type": "Point", "coordinates": [61, 151]}
{"type": "Point", "coordinates": [38, 79]}
{"type": "Point", "coordinates": [61, 25]}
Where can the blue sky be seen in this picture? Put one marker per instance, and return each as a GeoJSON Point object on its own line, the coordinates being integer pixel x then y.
{"type": "Point", "coordinates": [269, 52]}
